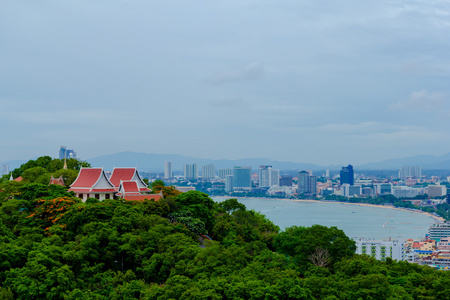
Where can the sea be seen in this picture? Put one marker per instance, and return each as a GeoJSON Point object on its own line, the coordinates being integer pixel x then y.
{"type": "Point", "coordinates": [357, 221]}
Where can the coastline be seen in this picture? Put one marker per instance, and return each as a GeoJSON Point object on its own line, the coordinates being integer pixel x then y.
{"type": "Point", "coordinates": [437, 219]}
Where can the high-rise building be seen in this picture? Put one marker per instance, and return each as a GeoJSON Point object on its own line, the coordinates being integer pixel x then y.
{"type": "Point", "coordinates": [228, 183]}
{"type": "Point", "coordinates": [347, 175]}
{"type": "Point", "coordinates": [312, 184]}
{"type": "Point", "coordinates": [410, 172]}
{"type": "Point", "coordinates": [242, 177]}
{"type": "Point", "coordinates": [286, 180]}
{"type": "Point", "coordinates": [307, 183]}
{"type": "Point", "coordinates": [208, 172]}
{"type": "Point", "coordinates": [303, 182]}
{"type": "Point", "coordinates": [267, 176]}
{"type": "Point", "coordinates": [167, 169]}
{"type": "Point", "coordinates": [190, 172]}
{"type": "Point", "coordinates": [67, 153]}
{"type": "Point", "coordinates": [224, 172]}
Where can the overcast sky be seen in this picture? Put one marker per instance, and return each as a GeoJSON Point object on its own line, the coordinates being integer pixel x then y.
{"type": "Point", "coordinates": [325, 82]}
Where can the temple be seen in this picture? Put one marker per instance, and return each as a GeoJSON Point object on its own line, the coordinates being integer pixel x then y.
{"type": "Point", "coordinates": [124, 183]}
{"type": "Point", "coordinates": [93, 182]}
{"type": "Point", "coordinates": [57, 181]}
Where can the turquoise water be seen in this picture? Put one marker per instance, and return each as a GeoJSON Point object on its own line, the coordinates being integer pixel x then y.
{"type": "Point", "coordinates": [355, 220]}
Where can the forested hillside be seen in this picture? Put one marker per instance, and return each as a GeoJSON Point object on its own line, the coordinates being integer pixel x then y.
{"type": "Point", "coordinates": [56, 247]}
{"type": "Point", "coordinates": [185, 246]}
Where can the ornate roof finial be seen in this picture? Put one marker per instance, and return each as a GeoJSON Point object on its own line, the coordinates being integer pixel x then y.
{"type": "Point", "coordinates": [65, 161]}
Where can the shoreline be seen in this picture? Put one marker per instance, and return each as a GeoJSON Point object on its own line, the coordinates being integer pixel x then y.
{"type": "Point", "coordinates": [437, 219]}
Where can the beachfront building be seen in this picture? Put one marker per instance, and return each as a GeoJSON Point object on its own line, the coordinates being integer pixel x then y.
{"type": "Point", "coordinates": [404, 192]}
{"type": "Point", "coordinates": [437, 191]}
{"type": "Point", "coordinates": [439, 231]}
{"type": "Point", "coordinates": [381, 249]}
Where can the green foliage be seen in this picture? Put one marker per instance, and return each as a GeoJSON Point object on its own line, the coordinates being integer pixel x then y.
{"type": "Point", "coordinates": [60, 248]}
{"type": "Point", "coordinates": [157, 182]}
{"type": "Point", "coordinates": [301, 243]}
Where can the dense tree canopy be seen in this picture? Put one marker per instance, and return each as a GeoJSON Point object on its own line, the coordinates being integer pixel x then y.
{"type": "Point", "coordinates": [53, 246]}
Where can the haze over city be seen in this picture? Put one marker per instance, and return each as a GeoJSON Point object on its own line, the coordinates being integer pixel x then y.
{"type": "Point", "coordinates": [320, 82]}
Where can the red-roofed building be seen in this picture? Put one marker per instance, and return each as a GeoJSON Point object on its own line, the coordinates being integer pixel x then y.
{"type": "Point", "coordinates": [128, 174]}
{"type": "Point", "coordinates": [93, 182]}
{"type": "Point", "coordinates": [124, 182]}
{"type": "Point", "coordinates": [57, 181]}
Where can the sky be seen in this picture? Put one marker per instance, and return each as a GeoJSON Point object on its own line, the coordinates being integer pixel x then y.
{"type": "Point", "coordinates": [324, 82]}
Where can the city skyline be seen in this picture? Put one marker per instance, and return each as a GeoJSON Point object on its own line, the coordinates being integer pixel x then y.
{"type": "Point", "coordinates": [334, 83]}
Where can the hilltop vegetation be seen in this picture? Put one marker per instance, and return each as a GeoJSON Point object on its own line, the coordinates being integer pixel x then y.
{"type": "Point", "coordinates": [186, 246]}
{"type": "Point", "coordinates": [60, 248]}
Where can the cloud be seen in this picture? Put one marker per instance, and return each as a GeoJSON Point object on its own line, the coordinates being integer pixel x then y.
{"type": "Point", "coordinates": [422, 100]}
{"type": "Point", "coordinates": [248, 73]}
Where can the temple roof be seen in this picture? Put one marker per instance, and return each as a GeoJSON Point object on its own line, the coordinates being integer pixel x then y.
{"type": "Point", "coordinates": [126, 174]}
{"type": "Point", "coordinates": [93, 180]}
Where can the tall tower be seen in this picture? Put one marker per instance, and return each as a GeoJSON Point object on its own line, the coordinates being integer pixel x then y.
{"type": "Point", "coordinates": [190, 172]}
{"type": "Point", "coordinates": [242, 177]}
{"type": "Point", "coordinates": [208, 172]}
{"type": "Point", "coordinates": [303, 182]}
{"type": "Point", "coordinates": [168, 169]}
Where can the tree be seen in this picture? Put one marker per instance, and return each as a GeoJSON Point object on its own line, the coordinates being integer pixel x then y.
{"type": "Point", "coordinates": [302, 243]}
{"type": "Point", "coordinates": [199, 205]}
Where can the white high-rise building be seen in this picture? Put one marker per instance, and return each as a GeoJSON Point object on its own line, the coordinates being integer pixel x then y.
{"type": "Point", "coordinates": [191, 172]}
{"type": "Point", "coordinates": [167, 169]}
{"type": "Point", "coordinates": [224, 172]}
{"type": "Point", "coordinates": [268, 177]}
{"type": "Point", "coordinates": [208, 172]}
{"type": "Point", "coordinates": [410, 172]}
{"type": "Point", "coordinates": [437, 191]}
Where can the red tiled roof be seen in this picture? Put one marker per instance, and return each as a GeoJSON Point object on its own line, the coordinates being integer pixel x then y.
{"type": "Point", "coordinates": [121, 174]}
{"type": "Point", "coordinates": [145, 190]}
{"type": "Point", "coordinates": [156, 197]}
{"type": "Point", "coordinates": [130, 186]}
{"type": "Point", "coordinates": [87, 177]}
{"type": "Point", "coordinates": [18, 178]}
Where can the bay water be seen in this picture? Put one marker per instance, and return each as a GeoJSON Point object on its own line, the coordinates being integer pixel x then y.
{"type": "Point", "coordinates": [356, 221]}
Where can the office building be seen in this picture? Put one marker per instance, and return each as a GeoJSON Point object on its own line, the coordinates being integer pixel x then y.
{"type": "Point", "coordinates": [67, 153]}
{"type": "Point", "coordinates": [347, 175]}
{"type": "Point", "coordinates": [404, 192]}
{"type": "Point", "coordinates": [439, 231]}
{"type": "Point", "coordinates": [312, 184]}
{"type": "Point", "coordinates": [410, 172]}
{"type": "Point", "coordinates": [267, 176]}
{"type": "Point", "coordinates": [191, 172]}
{"type": "Point", "coordinates": [208, 172]}
{"type": "Point", "coordinates": [242, 177]}
{"type": "Point", "coordinates": [228, 183]}
{"type": "Point", "coordinates": [383, 188]}
{"type": "Point", "coordinates": [167, 169]}
{"type": "Point", "coordinates": [303, 182]}
{"type": "Point", "coordinates": [224, 173]}
{"type": "Point", "coordinates": [437, 191]}
{"type": "Point", "coordinates": [286, 180]}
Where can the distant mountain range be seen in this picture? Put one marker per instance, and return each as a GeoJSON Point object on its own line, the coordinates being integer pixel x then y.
{"type": "Point", "coordinates": [145, 161]}
{"type": "Point", "coordinates": [155, 162]}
